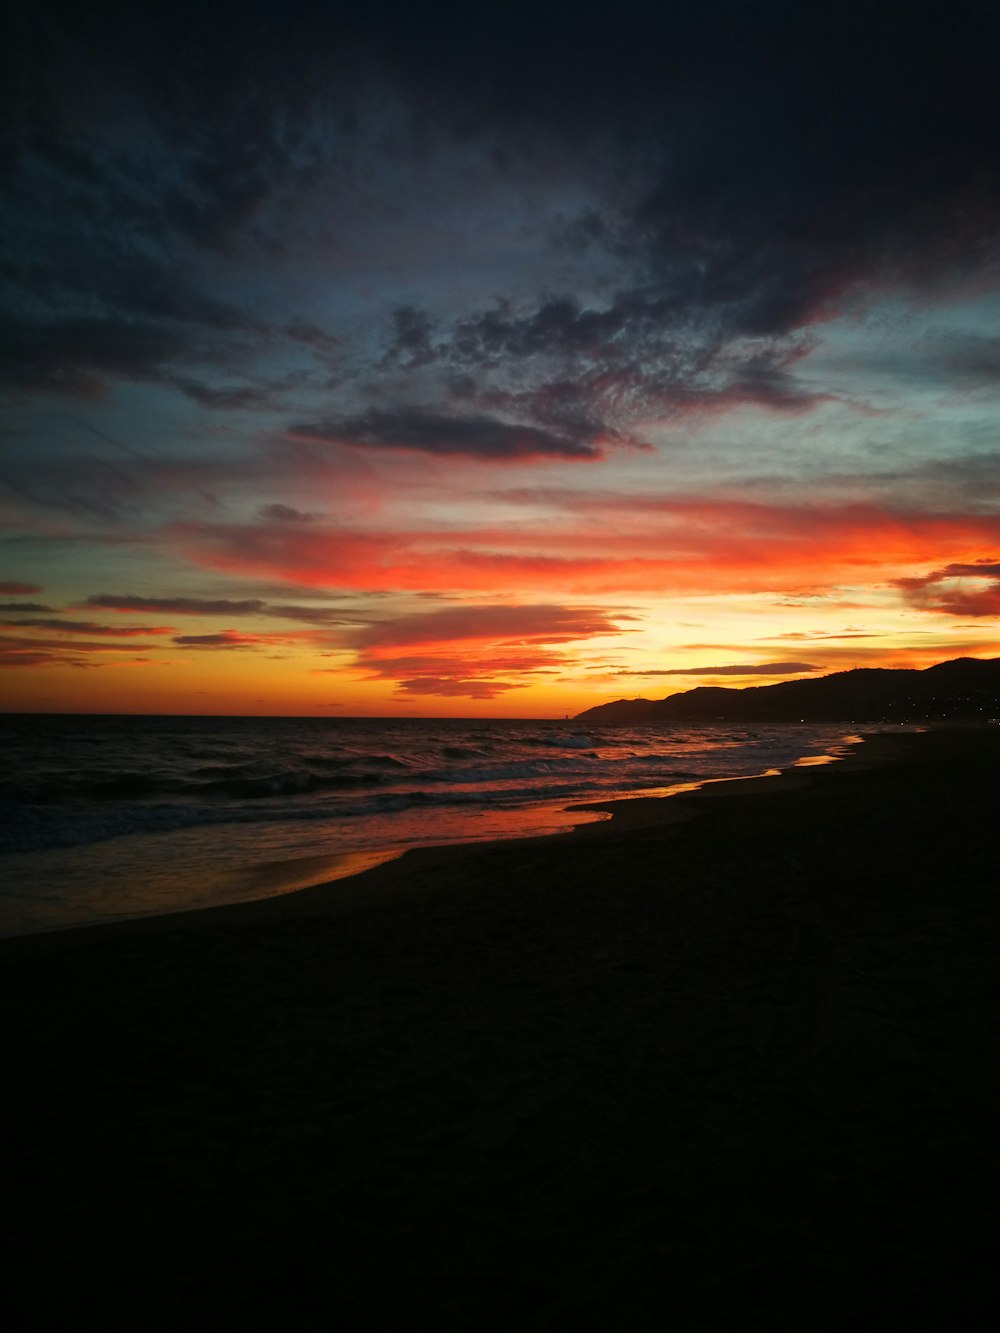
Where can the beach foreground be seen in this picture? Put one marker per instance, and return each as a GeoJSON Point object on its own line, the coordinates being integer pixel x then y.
{"type": "Point", "coordinates": [727, 1060]}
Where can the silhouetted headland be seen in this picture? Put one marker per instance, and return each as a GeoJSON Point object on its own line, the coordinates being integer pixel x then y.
{"type": "Point", "coordinates": [967, 688]}
{"type": "Point", "coordinates": [727, 1061]}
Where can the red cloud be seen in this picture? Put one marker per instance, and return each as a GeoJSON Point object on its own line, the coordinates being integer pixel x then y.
{"type": "Point", "coordinates": [663, 545]}
{"type": "Point", "coordinates": [473, 645]}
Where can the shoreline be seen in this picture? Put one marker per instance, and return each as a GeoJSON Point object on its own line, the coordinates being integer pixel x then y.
{"type": "Point", "coordinates": [619, 813]}
{"type": "Point", "coordinates": [728, 1071]}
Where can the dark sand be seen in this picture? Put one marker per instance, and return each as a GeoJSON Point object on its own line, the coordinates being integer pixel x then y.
{"type": "Point", "coordinates": [736, 1071]}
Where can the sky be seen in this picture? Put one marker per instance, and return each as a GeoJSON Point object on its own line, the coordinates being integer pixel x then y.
{"type": "Point", "coordinates": [493, 360]}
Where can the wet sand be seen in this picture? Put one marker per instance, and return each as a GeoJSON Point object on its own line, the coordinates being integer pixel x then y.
{"type": "Point", "coordinates": [725, 1061]}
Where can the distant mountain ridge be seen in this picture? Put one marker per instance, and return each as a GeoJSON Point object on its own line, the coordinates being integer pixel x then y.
{"type": "Point", "coordinates": [966, 688]}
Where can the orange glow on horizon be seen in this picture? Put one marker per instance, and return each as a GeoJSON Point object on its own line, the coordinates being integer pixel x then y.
{"type": "Point", "coordinates": [519, 620]}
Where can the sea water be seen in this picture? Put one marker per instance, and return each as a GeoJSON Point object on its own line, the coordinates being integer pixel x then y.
{"type": "Point", "coordinates": [105, 818]}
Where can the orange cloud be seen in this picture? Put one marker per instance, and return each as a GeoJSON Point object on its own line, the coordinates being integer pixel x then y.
{"type": "Point", "coordinates": [473, 646]}
{"type": "Point", "coordinates": [662, 545]}
{"type": "Point", "coordinates": [454, 687]}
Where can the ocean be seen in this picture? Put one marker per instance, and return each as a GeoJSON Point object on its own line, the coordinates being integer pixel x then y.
{"type": "Point", "coordinates": [111, 818]}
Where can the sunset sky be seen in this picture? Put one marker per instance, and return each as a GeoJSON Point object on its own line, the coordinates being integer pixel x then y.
{"type": "Point", "coordinates": [493, 359]}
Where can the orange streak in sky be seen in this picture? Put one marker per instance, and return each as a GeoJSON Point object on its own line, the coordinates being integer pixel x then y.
{"type": "Point", "coordinates": [679, 546]}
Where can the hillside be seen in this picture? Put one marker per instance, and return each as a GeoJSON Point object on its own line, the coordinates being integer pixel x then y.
{"type": "Point", "coordinates": [967, 688]}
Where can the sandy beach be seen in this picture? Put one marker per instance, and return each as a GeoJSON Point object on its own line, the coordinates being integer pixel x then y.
{"type": "Point", "coordinates": [723, 1061]}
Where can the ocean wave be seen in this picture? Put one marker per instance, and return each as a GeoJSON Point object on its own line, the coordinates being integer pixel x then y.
{"type": "Point", "coordinates": [153, 775]}
{"type": "Point", "coordinates": [33, 828]}
{"type": "Point", "coordinates": [462, 766]}
{"type": "Point", "coordinates": [572, 741]}
{"type": "Point", "coordinates": [259, 788]}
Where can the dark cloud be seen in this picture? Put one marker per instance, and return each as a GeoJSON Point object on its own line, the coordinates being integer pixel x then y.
{"type": "Point", "coordinates": [223, 399]}
{"type": "Point", "coordinates": [241, 639]}
{"type": "Point", "coordinates": [17, 643]}
{"type": "Point", "coordinates": [309, 615]}
{"type": "Point", "coordinates": [88, 627]}
{"type": "Point", "coordinates": [73, 356]}
{"type": "Point", "coordinates": [483, 437]}
{"type": "Point", "coordinates": [538, 623]}
{"type": "Point", "coordinates": [78, 356]}
{"type": "Point", "coordinates": [979, 569]}
{"type": "Point", "coordinates": [591, 371]}
{"type": "Point", "coordinates": [225, 639]}
{"type": "Point", "coordinates": [958, 589]}
{"type": "Point", "coordinates": [322, 343]}
{"type": "Point", "coordinates": [123, 185]}
{"type": "Point", "coordinates": [27, 657]}
{"type": "Point", "coordinates": [10, 608]}
{"type": "Point", "coordinates": [957, 359]}
{"type": "Point", "coordinates": [101, 279]}
{"type": "Point", "coordinates": [194, 606]}
{"type": "Point", "coordinates": [742, 172]}
{"type": "Point", "coordinates": [741, 669]}
{"type": "Point", "coordinates": [785, 192]}
{"type": "Point", "coordinates": [11, 589]}
{"type": "Point", "coordinates": [410, 345]}
{"type": "Point", "coordinates": [767, 192]}
{"type": "Point", "coordinates": [279, 513]}
{"type": "Point", "coordinates": [967, 359]}
{"type": "Point", "coordinates": [557, 328]}
{"type": "Point", "coordinates": [219, 606]}
{"type": "Point", "coordinates": [82, 484]}
{"type": "Point", "coordinates": [742, 108]}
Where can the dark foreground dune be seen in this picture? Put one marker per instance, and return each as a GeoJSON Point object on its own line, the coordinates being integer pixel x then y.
{"type": "Point", "coordinates": [738, 1071]}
